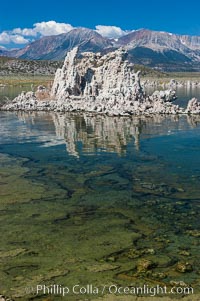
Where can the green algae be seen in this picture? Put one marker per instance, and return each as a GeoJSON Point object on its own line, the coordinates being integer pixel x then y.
{"type": "Point", "coordinates": [12, 253]}
{"type": "Point", "coordinates": [22, 189]}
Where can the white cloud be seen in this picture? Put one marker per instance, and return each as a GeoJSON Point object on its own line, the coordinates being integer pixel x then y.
{"type": "Point", "coordinates": [52, 28]}
{"type": "Point", "coordinates": [17, 39]}
{"type": "Point", "coordinates": [49, 28]}
{"type": "Point", "coordinates": [110, 31]}
{"type": "Point", "coordinates": [26, 32]}
{"type": "Point", "coordinates": [20, 36]}
{"type": "Point", "coordinates": [4, 38]}
{"type": "Point", "coordinates": [7, 38]}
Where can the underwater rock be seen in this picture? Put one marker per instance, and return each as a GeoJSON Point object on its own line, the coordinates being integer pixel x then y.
{"type": "Point", "coordinates": [178, 283]}
{"type": "Point", "coordinates": [194, 233]}
{"type": "Point", "coordinates": [143, 265]}
{"type": "Point", "coordinates": [133, 253]}
{"type": "Point", "coordinates": [160, 189]}
{"type": "Point", "coordinates": [102, 267]}
{"type": "Point", "coordinates": [111, 259]}
{"type": "Point", "coordinates": [184, 253]}
{"type": "Point", "coordinates": [184, 267]}
{"type": "Point", "coordinates": [51, 275]}
{"type": "Point", "coordinates": [150, 251]}
{"type": "Point", "coordinates": [12, 253]}
{"type": "Point", "coordinates": [158, 276]}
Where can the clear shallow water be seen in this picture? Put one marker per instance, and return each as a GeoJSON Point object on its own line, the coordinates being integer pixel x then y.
{"type": "Point", "coordinates": [186, 93]}
{"type": "Point", "coordinates": [86, 199]}
{"type": "Point", "coordinates": [10, 92]}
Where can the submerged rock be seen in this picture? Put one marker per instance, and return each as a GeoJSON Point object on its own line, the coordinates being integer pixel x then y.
{"type": "Point", "coordinates": [184, 253]}
{"type": "Point", "coordinates": [12, 253]}
{"type": "Point", "coordinates": [102, 267]}
{"type": "Point", "coordinates": [178, 283]}
{"type": "Point", "coordinates": [144, 265]}
{"type": "Point", "coordinates": [184, 267]}
{"type": "Point", "coordinates": [194, 233]}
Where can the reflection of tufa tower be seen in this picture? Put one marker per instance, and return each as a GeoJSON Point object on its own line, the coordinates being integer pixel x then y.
{"type": "Point", "coordinates": [66, 129]}
{"type": "Point", "coordinates": [96, 133]}
{"type": "Point", "coordinates": [99, 132]}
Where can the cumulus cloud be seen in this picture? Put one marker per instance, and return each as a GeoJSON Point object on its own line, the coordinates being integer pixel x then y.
{"type": "Point", "coordinates": [7, 38]}
{"type": "Point", "coordinates": [49, 28]}
{"type": "Point", "coordinates": [17, 39]}
{"type": "Point", "coordinates": [21, 36]}
{"type": "Point", "coordinates": [52, 28]}
{"type": "Point", "coordinates": [26, 32]}
{"type": "Point", "coordinates": [110, 31]}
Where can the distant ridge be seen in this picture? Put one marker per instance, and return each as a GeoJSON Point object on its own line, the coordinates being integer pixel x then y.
{"type": "Point", "coordinates": [157, 49]}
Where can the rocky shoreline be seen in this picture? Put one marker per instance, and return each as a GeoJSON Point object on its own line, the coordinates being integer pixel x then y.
{"type": "Point", "coordinates": [100, 84]}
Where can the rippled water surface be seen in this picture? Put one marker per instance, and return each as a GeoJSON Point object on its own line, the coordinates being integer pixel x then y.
{"type": "Point", "coordinates": [98, 200]}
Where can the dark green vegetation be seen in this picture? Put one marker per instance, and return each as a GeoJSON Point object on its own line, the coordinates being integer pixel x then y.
{"type": "Point", "coordinates": [18, 67]}
{"type": "Point", "coordinates": [14, 71]}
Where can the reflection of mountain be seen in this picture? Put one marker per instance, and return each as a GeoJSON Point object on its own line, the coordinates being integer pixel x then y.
{"type": "Point", "coordinates": [94, 133]}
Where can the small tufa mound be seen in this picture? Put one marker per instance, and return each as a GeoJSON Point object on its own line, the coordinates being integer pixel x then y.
{"type": "Point", "coordinates": [193, 106]}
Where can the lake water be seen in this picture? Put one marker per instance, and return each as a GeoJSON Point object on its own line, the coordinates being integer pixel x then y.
{"type": "Point", "coordinates": [11, 91]}
{"type": "Point", "coordinates": [98, 200]}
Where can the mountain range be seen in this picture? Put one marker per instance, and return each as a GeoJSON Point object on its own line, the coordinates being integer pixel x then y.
{"type": "Point", "coordinates": [156, 49]}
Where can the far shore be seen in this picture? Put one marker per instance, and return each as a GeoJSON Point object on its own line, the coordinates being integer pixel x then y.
{"type": "Point", "coordinates": [23, 79]}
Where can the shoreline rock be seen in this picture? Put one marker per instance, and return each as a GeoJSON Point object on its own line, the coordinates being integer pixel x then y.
{"type": "Point", "coordinates": [99, 84]}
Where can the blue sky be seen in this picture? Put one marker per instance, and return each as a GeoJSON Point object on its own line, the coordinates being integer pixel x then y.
{"type": "Point", "coordinates": [17, 17]}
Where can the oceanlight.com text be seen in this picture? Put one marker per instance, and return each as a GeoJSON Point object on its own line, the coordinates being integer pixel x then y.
{"type": "Point", "coordinates": [89, 289]}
